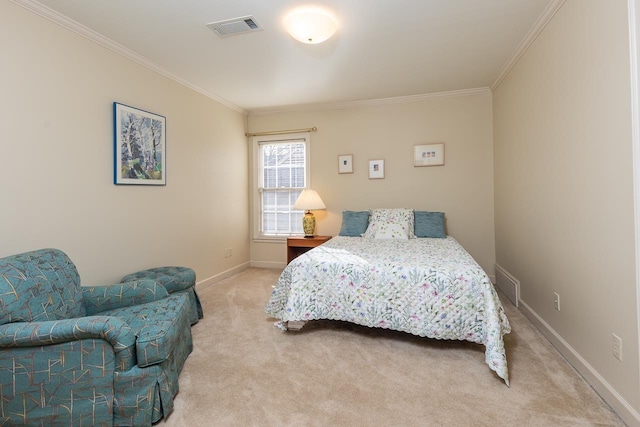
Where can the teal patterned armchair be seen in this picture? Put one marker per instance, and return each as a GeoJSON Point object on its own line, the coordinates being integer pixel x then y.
{"type": "Point", "coordinates": [76, 355]}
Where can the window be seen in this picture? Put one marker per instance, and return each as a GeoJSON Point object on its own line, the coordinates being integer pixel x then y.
{"type": "Point", "coordinates": [282, 173]}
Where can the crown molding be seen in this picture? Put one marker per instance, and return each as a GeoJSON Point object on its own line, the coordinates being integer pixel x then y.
{"type": "Point", "coordinates": [547, 14]}
{"type": "Point", "coordinates": [370, 102]}
{"type": "Point", "coordinates": [76, 27]}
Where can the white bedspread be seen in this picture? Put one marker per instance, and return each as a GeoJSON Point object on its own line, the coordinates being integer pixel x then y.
{"type": "Point", "coordinates": [427, 287]}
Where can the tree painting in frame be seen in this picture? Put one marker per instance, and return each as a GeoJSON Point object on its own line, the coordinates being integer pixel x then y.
{"type": "Point", "coordinates": [140, 146]}
{"type": "Point", "coordinates": [428, 154]}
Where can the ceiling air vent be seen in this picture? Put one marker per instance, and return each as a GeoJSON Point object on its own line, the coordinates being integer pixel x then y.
{"type": "Point", "coordinates": [231, 27]}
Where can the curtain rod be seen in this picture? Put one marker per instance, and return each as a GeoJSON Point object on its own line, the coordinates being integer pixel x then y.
{"type": "Point", "coordinates": [281, 132]}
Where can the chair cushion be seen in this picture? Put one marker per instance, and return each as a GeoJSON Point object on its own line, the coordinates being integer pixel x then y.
{"type": "Point", "coordinates": [158, 326]}
{"type": "Point", "coordinates": [39, 286]}
{"type": "Point", "coordinates": [172, 278]}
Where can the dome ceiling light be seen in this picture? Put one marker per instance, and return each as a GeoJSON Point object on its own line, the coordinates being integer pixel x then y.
{"type": "Point", "coordinates": [310, 25]}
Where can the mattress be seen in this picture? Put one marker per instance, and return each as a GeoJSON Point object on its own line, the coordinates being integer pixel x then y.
{"type": "Point", "coordinates": [425, 286]}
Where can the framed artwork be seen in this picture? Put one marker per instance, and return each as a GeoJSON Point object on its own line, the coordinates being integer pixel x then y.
{"type": "Point", "coordinates": [428, 154]}
{"type": "Point", "coordinates": [376, 169]}
{"type": "Point", "coordinates": [345, 163]}
{"type": "Point", "coordinates": [139, 146]}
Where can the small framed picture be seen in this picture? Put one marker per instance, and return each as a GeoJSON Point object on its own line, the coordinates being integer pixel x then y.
{"type": "Point", "coordinates": [428, 154]}
{"type": "Point", "coordinates": [376, 169]}
{"type": "Point", "coordinates": [345, 163]}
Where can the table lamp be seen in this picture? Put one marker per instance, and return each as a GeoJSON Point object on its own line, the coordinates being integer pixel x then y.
{"type": "Point", "coordinates": [308, 200]}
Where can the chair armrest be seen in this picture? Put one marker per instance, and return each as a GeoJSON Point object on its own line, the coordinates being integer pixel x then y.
{"type": "Point", "coordinates": [111, 329]}
{"type": "Point", "coordinates": [30, 334]}
{"type": "Point", "coordinates": [102, 298]}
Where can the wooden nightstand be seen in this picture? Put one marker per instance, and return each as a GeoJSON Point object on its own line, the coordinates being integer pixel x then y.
{"type": "Point", "coordinates": [298, 245]}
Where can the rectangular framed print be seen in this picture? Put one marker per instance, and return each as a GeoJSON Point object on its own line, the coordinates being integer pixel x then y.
{"type": "Point", "coordinates": [428, 154]}
{"type": "Point", "coordinates": [139, 146]}
{"type": "Point", "coordinates": [345, 163]}
{"type": "Point", "coordinates": [376, 169]}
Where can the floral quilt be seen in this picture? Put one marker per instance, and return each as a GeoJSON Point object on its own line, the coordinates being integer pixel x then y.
{"type": "Point", "coordinates": [426, 287]}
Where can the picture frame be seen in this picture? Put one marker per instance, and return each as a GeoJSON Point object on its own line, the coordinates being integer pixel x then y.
{"type": "Point", "coordinates": [139, 146]}
{"type": "Point", "coordinates": [376, 169]}
{"type": "Point", "coordinates": [345, 163]}
{"type": "Point", "coordinates": [428, 154]}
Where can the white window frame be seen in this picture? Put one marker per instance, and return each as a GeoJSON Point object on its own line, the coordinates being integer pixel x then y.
{"type": "Point", "coordinates": [305, 137]}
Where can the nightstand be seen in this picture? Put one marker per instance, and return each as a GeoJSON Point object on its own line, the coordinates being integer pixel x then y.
{"type": "Point", "coordinates": [298, 245]}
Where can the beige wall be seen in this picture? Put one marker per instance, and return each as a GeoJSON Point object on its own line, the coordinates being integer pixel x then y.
{"type": "Point", "coordinates": [564, 218]}
{"type": "Point", "coordinates": [56, 146]}
{"type": "Point", "coordinates": [463, 188]}
{"type": "Point", "coordinates": [564, 188]}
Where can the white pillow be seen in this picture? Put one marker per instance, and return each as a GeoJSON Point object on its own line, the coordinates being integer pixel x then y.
{"type": "Point", "coordinates": [392, 231]}
{"type": "Point", "coordinates": [382, 218]}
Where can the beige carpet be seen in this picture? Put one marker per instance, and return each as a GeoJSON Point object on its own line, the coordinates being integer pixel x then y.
{"type": "Point", "coordinates": [246, 372]}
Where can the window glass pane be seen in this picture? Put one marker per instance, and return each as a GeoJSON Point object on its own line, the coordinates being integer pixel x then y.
{"type": "Point", "coordinates": [283, 165]}
{"type": "Point", "coordinates": [297, 177]}
{"type": "Point", "coordinates": [296, 221]}
{"type": "Point", "coordinates": [269, 155]}
{"type": "Point", "coordinates": [269, 222]}
{"type": "Point", "coordinates": [283, 222]}
{"type": "Point", "coordinates": [269, 178]}
{"type": "Point", "coordinates": [284, 177]}
{"type": "Point", "coordinates": [269, 200]}
{"type": "Point", "coordinates": [283, 200]}
{"type": "Point", "coordinates": [297, 154]}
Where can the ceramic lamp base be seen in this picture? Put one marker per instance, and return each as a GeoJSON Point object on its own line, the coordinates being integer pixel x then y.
{"type": "Point", "coordinates": [308, 224]}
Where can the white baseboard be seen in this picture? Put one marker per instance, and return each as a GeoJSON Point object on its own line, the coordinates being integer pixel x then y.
{"type": "Point", "coordinates": [268, 264]}
{"type": "Point", "coordinates": [609, 394]}
{"type": "Point", "coordinates": [221, 276]}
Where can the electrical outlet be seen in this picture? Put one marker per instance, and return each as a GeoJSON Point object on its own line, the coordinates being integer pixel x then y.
{"type": "Point", "coordinates": [556, 301]}
{"type": "Point", "coordinates": [617, 347]}
{"type": "Point", "coordinates": [227, 253]}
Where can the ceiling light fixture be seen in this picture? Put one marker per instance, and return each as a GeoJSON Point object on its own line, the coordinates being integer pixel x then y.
{"type": "Point", "coordinates": [310, 25]}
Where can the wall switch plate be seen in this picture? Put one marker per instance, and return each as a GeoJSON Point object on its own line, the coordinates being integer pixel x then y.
{"type": "Point", "coordinates": [617, 347]}
{"type": "Point", "coordinates": [556, 301]}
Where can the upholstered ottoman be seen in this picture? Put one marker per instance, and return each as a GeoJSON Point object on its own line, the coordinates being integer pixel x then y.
{"type": "Point", "coordinates": [175, 280]}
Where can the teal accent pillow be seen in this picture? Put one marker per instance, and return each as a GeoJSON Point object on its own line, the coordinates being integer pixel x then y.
{"type": "Point", "coordinates": [354, 224]}
{"type": "Point", "coordinates": [429, 224]}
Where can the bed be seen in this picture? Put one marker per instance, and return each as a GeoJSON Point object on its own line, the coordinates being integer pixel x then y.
{"type": "Point", "coordinates": [429, 287]}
